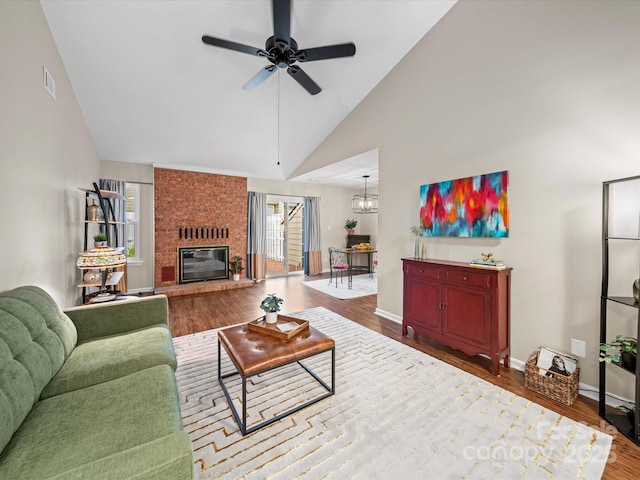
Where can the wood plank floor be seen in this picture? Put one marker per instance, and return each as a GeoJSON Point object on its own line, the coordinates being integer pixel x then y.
{"type": "Point", "coordinates": [195, 313]}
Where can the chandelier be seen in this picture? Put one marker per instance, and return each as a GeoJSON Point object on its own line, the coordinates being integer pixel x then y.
{"type": "Point", "coordinates": [364, 202]}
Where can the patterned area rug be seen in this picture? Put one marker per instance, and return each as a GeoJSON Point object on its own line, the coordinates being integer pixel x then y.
{"type": "Point", "coordinates": [362, 285]}
{"type": "Point", "coordinates": [397, 413]}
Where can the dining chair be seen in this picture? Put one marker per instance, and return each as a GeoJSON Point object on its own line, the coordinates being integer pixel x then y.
{"type": "Point", "coordinates": [338, 264]}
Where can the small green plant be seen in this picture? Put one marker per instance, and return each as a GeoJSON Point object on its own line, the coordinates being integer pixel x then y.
{"type": "Point", "coordinates": [619, 345]}
{"type": "Point", "coordinates": [131, 252]}
{"type": "Point", "coordinates": [101, 237]}
{"type": "Point", "coordinates": [350, 224]}
{"type": "Point", "coordinates": [236, 264]}
{"type": "Point", "coordinates": [271, 303]}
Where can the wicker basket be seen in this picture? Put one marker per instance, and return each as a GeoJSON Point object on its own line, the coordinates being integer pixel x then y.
{"type": "Point", "coordinates": [560, 388]}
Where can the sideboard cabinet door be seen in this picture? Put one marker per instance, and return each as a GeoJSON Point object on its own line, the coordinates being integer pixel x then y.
{"type": "Point", "coordinates": [467, 317]}
{"type": "Point", "coordinates": [423, 311]}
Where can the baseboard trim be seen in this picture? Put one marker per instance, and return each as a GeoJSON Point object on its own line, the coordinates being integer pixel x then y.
{"type": "Point", "coordinates": [584, 389]}
{"type": "Point", "coordinates": [389, 316]}
{"type": "Point", "coordinates": [140, 290]}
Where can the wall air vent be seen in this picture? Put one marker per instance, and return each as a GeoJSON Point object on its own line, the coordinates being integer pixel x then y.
{"type": "Point", "coordinates": [49, 82]}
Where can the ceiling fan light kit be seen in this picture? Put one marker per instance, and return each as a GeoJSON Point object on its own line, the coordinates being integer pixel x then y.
{"type": "Point", "coordinates": [282, 51]}
{"type": "Point", "coordinates": [365, 202]}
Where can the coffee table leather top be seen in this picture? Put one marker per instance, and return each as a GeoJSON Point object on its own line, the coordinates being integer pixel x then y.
{"type": "Point", "coordinates": [252, 352]}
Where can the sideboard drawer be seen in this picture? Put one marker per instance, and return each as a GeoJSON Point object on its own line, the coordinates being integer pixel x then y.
{"type": "Point", "coordinates": [422, 271]}
{"type": "Point", "coordinates": [479, 280]}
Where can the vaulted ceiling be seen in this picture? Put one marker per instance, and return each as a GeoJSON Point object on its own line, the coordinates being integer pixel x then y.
{"type": "Point", "coordinates": [152, 92]}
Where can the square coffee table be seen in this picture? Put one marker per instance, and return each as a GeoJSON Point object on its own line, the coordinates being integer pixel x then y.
{"type": "Point", "coordinates": [254, 353]}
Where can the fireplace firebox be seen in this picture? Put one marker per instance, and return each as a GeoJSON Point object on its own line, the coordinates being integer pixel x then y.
{"type": "Point", "coordinates": [199, 264]}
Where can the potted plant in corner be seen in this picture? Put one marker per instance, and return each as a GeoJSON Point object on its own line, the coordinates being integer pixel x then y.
{"type": "Point", "coordinates": [350, 226]}
{"type": "Point", "coordinates": [271, 307]}
{"type": "Point", "coordinates": [625, 352]}
{"type": "Point", "coordinates": [100, 240]}
{"type": "Point", "coordinates": [236, 267]}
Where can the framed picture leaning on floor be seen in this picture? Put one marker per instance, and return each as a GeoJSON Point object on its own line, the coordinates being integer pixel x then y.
{"type": "Point", "coordinates": [551, 362]}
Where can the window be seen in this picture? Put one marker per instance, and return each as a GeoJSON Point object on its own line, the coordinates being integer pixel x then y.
{"type": "Point", "coordinates": [133, 222]}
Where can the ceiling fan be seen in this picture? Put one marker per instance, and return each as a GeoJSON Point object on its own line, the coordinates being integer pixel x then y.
{"type": "Point", "coordinates": [282, 51]}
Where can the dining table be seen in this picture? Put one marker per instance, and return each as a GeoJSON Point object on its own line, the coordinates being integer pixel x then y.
{"type": "Point", "coordinates": [350, 253]}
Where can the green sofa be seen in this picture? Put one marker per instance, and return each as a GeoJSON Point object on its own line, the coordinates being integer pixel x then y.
{"type": "Point", "coordinates": [88, 393]}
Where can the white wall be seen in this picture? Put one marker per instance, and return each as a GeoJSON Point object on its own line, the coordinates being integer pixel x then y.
{"type": "Point", "coordinates": [546, 90]}
{"type": "Point", "coordinates": [46, 155]}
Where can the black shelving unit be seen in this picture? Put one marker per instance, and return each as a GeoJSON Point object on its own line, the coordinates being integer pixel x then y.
{"type": "Point", "coordinates": [610, 242]}
{"type": "Point", "coordinates": [109, 222]}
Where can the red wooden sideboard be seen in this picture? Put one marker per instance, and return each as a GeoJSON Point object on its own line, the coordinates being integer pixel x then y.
{"type": "Point", "coordinates": [463, 307]}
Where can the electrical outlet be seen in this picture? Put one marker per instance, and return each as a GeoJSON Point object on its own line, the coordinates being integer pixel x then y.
{"type": "Point", "coordinates": [578, 348]}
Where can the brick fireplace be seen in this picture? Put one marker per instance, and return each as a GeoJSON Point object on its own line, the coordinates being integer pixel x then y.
{"type": "Point", "coordinates": [194, 209]}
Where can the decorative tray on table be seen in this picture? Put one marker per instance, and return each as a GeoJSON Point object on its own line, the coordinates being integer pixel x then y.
{"type": "Point", "coordinates": [285, 328]}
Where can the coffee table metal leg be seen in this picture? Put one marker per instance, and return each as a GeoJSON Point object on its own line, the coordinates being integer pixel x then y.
{"type": "Point", "coordinates": [242, 423]}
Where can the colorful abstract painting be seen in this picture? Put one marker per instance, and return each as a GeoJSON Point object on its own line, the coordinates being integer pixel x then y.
{"type": "Point", "coordinates": [467, 207]}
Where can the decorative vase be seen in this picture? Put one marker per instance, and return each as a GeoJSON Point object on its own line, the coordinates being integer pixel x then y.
{"type": "Point", "coordinates": [92, 212]}
{"type": "Point", "coordinates": [351, 231]}
{"type": "Point", "coordinates": [271, 317]}
{"type": "Point", "coordinates": [100, 244]}
{"type": "Point", "coordinates": [416, 247]}
{"type": "Point", "coordinates": [636, 290]}
{"type": "Point", "coordinates": [92, 276]}
{"type": "Point", "coordinates": [236, 277]}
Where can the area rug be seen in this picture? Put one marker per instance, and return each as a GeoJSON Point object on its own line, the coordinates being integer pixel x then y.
{"type": "Point", "coordinates": [362, 285]}
{"type": "Point", "coordinates": [397, 413]}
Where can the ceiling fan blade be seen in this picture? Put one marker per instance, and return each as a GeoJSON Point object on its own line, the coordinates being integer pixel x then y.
{"type": "Point", "coordinates": [238, 47]}
{"type": "Point", "coordinates": [260, 77]}
{"type": "Point", "coordinates": [303, 79]}
{"type": "Point", "coordinates": [282, 21]}
{"type": "Point", "coordinates": [324, 53]}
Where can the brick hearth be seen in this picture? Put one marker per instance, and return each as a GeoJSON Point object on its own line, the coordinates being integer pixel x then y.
{"type": "Point", "coordinates": [202, 287]}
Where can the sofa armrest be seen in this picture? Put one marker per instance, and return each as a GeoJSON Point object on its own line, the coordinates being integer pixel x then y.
{"type": "Point", "coordinates": [119, 316]}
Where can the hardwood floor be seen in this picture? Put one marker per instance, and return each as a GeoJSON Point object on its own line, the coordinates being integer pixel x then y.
{"type": "Point", "coordinates": [195, 313]}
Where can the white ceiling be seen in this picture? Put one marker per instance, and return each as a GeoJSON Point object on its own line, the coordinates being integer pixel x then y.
{"type": "Point", "coordinates": [151, 92]}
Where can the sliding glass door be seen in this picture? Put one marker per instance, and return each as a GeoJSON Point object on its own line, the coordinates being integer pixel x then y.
{"type": "Point", "coordinates": [284, 235]}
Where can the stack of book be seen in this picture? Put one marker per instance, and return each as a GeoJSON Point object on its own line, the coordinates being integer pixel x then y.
{"type": "Point", "coordinates": [495, 265]}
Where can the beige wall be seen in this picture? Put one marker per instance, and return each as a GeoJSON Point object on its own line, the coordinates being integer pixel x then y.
{"type": "Point", "coordinates": [335, 210]}
{"type": "Point", "coordinates": [546, 90]}
{"type": "Point", "coordinates": [335, 207]}
{"type": "Point", "coordinates": [46, 155]}
{"type": "Point", "coordinates": [139, 275]}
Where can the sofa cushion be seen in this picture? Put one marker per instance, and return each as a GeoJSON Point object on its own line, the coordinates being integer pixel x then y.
{"type": "Point", "coordinates": [35, 339]}
{"type": "Point", "coordinates": [116, 429]}
{"type": "Point", "coordinates": [108, 358]}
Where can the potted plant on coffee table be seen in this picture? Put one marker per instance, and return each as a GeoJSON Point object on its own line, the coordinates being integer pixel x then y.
{"type": "Point", "coordinates": [235, 265]}
{"type": "Point", "coordinates": [625, 352]}
{"type": "Point", "coordinates": [271, 306]}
